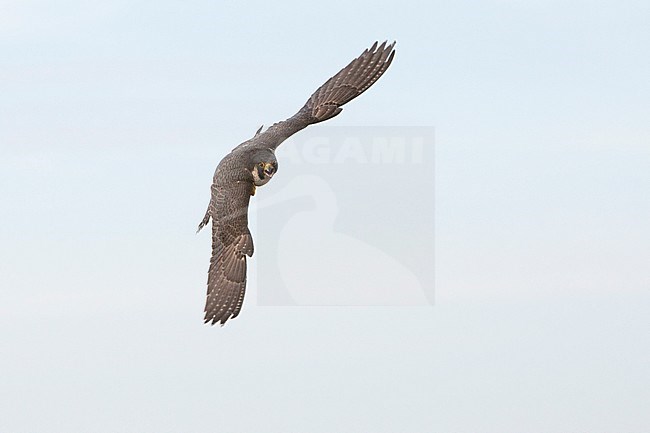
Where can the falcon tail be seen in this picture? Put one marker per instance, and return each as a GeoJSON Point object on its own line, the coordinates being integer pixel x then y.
{"type": "Point", "coordinates": [350, 82]}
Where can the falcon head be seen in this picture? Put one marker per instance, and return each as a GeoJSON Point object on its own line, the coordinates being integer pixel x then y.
{"type": "Point", "coordinates": [264, 166]}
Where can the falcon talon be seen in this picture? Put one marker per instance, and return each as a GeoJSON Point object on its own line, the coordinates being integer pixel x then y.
{"type": "Point", "coordinates": [253, 164]}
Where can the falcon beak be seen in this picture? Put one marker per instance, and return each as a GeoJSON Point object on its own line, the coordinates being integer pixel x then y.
{"type": "Point", "coordinates": [269, 170]}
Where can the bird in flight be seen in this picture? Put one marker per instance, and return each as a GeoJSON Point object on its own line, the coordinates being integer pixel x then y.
{"type": "Point", "coordinates": [253, 164]}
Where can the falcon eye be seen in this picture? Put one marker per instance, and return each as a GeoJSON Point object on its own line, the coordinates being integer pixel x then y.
{"type": "Point", "coordinates": [261, 164]}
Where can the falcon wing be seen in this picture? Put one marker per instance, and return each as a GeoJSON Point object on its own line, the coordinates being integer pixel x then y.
{"type": "Point", "coordinates": [231, 243]}
{"type": "Point", "coordinates": [350, 82]}
{"type": "Point", "coordinates": [326, 102]}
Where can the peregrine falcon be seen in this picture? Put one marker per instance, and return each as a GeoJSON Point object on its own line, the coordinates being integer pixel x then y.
{"type": "Point", "coordinates": [253, 164]}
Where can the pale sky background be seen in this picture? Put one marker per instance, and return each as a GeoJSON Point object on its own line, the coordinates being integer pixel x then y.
{"type": "Point", "coordinates": [114, 114]}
